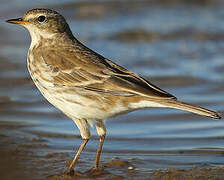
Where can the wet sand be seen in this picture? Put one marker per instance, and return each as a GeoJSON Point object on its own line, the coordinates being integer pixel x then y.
{"type": "Point", "coordinates": [24, 156]}
{"type": "Point", "coordinates": [176, 44]}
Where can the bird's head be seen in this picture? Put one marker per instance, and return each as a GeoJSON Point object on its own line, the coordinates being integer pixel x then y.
{"type": "Point", "coordinates": [42, 23]}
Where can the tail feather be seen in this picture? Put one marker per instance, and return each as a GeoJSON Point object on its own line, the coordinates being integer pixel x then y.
{"type": "Point", "coordinates": [191, 108]}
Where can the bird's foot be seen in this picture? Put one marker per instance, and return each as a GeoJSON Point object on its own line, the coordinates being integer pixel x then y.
{"type": "Point", "coordinates": [72, 172]}
{"type": "Point", "coordinates": [96, 172]}
{"type": "Point", "coordinates": [93, 172]}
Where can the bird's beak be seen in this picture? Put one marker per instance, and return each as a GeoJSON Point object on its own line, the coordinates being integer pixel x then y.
{"type": "Point", "coordinates": [19, 21]}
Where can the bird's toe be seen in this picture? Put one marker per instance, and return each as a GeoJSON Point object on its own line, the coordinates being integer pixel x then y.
{"type": "Point", "coordinates": [96, 172]}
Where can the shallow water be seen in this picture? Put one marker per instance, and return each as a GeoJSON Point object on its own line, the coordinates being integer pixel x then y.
{"type": "Point", "coordinates": [177, 46]}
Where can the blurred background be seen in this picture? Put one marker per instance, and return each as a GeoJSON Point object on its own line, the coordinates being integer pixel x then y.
{"type": "Point", "coordinates": [177, 45]}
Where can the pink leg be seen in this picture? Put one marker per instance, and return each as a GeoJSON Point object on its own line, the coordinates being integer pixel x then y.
{"type": "Point", "coordinates": [75, 160]}
{"type": "Point", "coordinates": [99, 150]}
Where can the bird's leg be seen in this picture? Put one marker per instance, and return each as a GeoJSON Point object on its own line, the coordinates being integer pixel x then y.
{"type": "Point", "coordinates": [99, 150]}
{"type": "Point", "coordinates": [74, 161]}
{"type": "Point", "coordinates": [95, 171]}
{"type": "Point", "coordinates": [101, 131]}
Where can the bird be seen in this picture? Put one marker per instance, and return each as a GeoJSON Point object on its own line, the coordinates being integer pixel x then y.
{"type": "Point", "coordinates": [84, 85]}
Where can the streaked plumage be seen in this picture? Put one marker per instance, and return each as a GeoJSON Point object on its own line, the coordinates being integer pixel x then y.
{"type": "Point", "coordinates": [84, 85]}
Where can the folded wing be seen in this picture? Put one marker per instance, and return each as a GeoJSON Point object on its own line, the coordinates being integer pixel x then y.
{"type": "Point", "coordinates": [86, 69]}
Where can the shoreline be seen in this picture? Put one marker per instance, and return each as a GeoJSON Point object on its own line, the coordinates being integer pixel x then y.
{"type": "Point", "coordinates": [21, 158]}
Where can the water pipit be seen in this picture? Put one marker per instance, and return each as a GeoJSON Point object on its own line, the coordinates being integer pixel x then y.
{"type": "Point", "coordinates": [84, 85]}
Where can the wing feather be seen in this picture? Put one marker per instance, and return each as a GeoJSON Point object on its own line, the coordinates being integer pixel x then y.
{"type": "Point", "coordinates": [86, 69]}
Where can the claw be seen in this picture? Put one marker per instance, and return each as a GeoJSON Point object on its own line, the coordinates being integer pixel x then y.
{"type": "Point", "coordinates": [74, 173]}
{"type": "Point", "coordinates": [96, 172]}
{"type": "Point", "coordinates": [69, 172]}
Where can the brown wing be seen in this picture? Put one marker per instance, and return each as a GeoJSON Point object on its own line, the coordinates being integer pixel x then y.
{"type": "Point", "coordinates": [89, 70]}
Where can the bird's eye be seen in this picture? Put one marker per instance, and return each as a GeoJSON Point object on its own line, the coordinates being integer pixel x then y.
{"type": "Point", "coordinates": [41, 18]}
